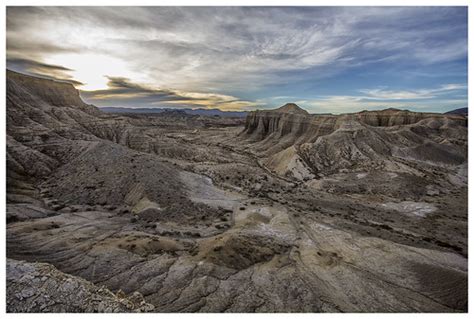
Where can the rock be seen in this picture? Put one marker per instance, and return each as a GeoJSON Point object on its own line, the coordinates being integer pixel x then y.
{"type": "Point", "coordinates": [328, 145]}
{"type": "Point", "coordinates": [341, 252]}
{"type": "Point", "coordinates": [41, 287]}
{"type": "Point", "coordinates": [66, 210]}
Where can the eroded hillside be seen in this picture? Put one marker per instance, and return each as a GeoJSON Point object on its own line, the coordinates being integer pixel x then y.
{"type": "Point", "coordinates": [291, 212]}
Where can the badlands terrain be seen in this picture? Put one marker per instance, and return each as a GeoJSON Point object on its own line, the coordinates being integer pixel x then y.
{"type": "Point", "coordinates": [281, 211]}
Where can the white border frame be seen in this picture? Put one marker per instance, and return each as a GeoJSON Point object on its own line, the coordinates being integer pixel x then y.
{"type": "Point", "coordinates": [213, 3]}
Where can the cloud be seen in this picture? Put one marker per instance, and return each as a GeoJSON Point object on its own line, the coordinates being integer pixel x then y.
{"type": "Point", "coordinates": [350, 104]}
{"type": "Point", "coordinates": [36, 65]}
{"type": "Point", "coordinates": [382, 94]}
{"type": "Point", "coordinates": [435, 99]}
{"type": "Point", "coordinates": [45, 70]}
{"type": "Point", "coordinates": [222, 47]}
{"type": "Point", "coordinates": [125, 93]}
{"type": "Point", "coordinates": [450, 87]}
{"type": "Point", "coordinates": [247, 53]}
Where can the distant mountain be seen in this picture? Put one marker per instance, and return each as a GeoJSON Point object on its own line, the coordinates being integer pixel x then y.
{"type": "Point", "coordinates": [204, 112]}
{"type": "Point", "coordinates": [461, 111]}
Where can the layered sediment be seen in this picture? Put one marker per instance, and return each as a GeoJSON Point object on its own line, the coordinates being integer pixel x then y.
{"type": "Point", "coordinates": [329, 143]}
{"type": "Point", "coordinates": [177, 213]}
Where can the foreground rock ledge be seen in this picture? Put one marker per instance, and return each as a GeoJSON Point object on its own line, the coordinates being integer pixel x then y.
{"type": "Point", "coordinates": [40, 287]}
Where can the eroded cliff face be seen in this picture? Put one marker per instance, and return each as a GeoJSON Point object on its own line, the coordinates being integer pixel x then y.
{"type": "Point", "coordinates": [43, 116]}
{"type": "Point", "coordinates": [80, 154]}
{"type": "Point", "coordinates": [302, 126]}
{"type": "Point", "coordinates": [45, 92]}
{"type": "Point", "coordinates": [262, 124]}
{"type": "Point", "coordinates": [325, 144]}
{"type": "Point", "coordinates": [393, 117]}
{"type": "Point", "coordinates": [274, 131]}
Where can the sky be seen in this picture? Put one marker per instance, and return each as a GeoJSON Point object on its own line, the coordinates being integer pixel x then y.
{"type": "Point", "coordinates": [325, 59]}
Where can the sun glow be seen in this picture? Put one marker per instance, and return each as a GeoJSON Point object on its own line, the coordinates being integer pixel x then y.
{"type": "Point", "coordinates": [93, 69]}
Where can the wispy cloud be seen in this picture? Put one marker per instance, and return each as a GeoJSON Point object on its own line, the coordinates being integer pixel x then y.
{"type": "Point", "coordinates": [123, 92]}
{"type": "Point", "coordinates": [46, 70]}
{"type": "Point", "coordinates": [416, 100]}
{"type": "Point", "coordinates": [230, 51]}
{"type": "Point", "coordinates": [384, 94]}
{"type": "Point", "coordinates": [349, 104]}
{"type": "Point", "coordinates": [190, 47]}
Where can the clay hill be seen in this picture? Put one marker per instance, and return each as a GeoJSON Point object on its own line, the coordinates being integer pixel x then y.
{"type": "Point", "coordinates": [282, 211]}
{"type": "Point", "coordinates": [326, 144]}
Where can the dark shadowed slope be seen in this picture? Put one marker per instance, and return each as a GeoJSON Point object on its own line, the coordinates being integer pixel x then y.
{"type": "Point", "coordinates": [461, 111]}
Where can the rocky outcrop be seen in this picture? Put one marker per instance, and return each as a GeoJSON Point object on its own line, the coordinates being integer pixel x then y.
{"type": "Point", "coordinates": [269, 261]}
{"type": "Point", "coordinates": [303, 127]}
{"type": "Point", "coordinates": [194, 220]}
{"type": "Point", "coordinates": [273, 131]}
{"type": "Point", "coordinates": [45, 92]}
{"type": "Point", "coordinates": [39, 287]}
{"type": "Point", "coordinates": [80, 154]}
{"type": "Point", "coordinates": [291, 108]}
{"type": "Point", "coordinates": [395, 117]}
{"type": "Point", "coordinates": [325, 144]}
{"type": "Point", "coordinates": [461, 111]}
